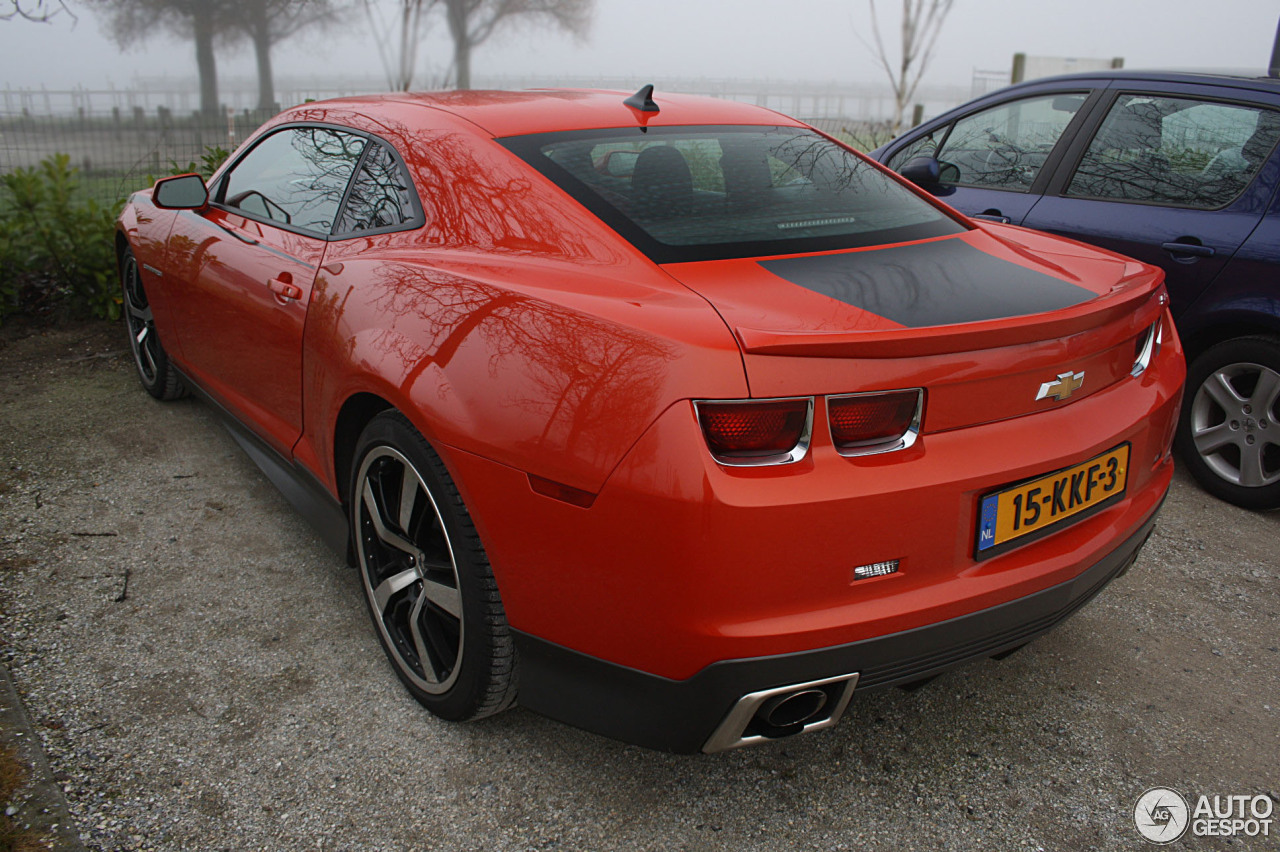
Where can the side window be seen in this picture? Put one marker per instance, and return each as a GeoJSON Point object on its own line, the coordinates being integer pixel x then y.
{"type": "Point", "coordinates": [381, 197]}
{"type": "Point", "coordinates": [925, 146]}
{"type": "Point", "coordinates": [296, 177]}
{"type": "Point", "coordinates": [1175, 151]}
{"type": "Point", "coordinates": [1005, 147]}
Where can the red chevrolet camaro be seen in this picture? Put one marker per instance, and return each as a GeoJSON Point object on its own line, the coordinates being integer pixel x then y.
{"type": "Point", "coordinates": [672, 418]}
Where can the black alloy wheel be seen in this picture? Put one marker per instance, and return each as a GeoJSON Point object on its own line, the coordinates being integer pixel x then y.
{"type": "Point", "coordinates": [428, 585]}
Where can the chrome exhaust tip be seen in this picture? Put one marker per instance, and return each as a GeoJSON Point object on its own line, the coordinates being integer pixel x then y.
{"type": "Point", "coordinates": [783, 711]}
{"type": "Point", "coordinates": [792, 708]}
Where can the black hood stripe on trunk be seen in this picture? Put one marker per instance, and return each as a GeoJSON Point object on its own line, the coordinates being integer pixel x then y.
{"type": "Point", "coordinates": [926, 284]}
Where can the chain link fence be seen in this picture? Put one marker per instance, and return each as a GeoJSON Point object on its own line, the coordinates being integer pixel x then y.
{"type": "Point", "coordinates": [122, 151]}
{"type": "Point", "coordinates": [121, 139]}
{"type": "Point", "coordinates": [125, 151]}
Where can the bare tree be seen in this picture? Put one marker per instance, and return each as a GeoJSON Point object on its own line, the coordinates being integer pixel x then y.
{"type": "Point", "coordinates": [40, 11]}
{"type": "Point", "coordinates": [921, 23]}
{"type": "Point", "coordinates": [471, 22]}
{"type": "Point", "coordinates": [130, 21]}
{"type": "Point", "coordinates": [398, 35]}
{"type": "Point", "coordinates": [267, 22]}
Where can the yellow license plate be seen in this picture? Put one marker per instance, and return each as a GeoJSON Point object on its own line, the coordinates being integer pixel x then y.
{"type": "Point", "coordinates": [1047, 501]}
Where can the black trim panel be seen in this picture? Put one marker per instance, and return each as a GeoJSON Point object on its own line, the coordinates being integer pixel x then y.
{"type": "Point", "coordinates": [679, 716]}
{"type": "Point", "coordinates": [943, 282]}
{"type": "Point", "coordinates": [303, 491]}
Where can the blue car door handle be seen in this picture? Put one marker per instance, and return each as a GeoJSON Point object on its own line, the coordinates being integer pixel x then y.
{"type": "Point", "coordinates": [1188, 248]}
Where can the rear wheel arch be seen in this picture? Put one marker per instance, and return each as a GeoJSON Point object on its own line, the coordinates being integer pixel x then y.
{"type": "Point", "coordinates": [355, 414]}
{"type": "Point", "coordinates": [361, 408]}
{"type": "Point", "coordinates": [1200, 337]}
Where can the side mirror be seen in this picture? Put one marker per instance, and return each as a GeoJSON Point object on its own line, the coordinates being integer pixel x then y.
{"type": "Point", "coordinates": [931, 175]}
{"type": "Point", "coordinates": [181, 192]}
{"type": "Point", "coordinates": [924, 172]}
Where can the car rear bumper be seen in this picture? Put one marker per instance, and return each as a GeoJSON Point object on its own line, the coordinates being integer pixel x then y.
{"type": "Point", "coordinates": [686, 716]}
{"type": "Point", "coordinates": [650, 609]}
{"type": "Point", "coordinates": [679, 563]}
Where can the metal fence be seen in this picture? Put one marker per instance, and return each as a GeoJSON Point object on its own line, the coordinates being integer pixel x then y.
{"type": "Point", "coordinates": [121, 151]}
{"type": "Point", "coordinates": [862, 101]}
{"type": "Point", "coordinates": [121, 139]}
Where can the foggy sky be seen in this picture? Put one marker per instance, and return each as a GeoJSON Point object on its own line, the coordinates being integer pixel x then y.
{"type": "Point", "coordinates": [811, 40]}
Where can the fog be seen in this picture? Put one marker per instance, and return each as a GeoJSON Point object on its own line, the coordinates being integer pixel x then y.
{"type": "Point", "coordinates": [806, 40]}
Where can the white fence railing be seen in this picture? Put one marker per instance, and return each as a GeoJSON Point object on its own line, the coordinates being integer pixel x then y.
{"type": "Point", "coordinates": [855, 101]}
{"type": "Point", "coordinates": [118, 138]}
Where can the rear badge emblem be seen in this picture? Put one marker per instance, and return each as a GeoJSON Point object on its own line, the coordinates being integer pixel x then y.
{"type": "Point", "coordinates": [1062, 387]}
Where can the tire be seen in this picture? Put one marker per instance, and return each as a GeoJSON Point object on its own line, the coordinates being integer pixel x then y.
{"type": "Point", "coordinates": [428, 585]}
{"type": "Point", "coordinates": [156, 374]}
{"type": "Point", "coordinates": [1229, 432]}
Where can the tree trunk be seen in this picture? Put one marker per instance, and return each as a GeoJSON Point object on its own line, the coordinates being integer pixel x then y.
{"type": "Point", "coordinates": [411, 12]}
{"type": "Point", "coordinates": [202, 20]}
{"type": "Point", "coordinates": [261, 30]}
{"type": "Point", "coordinates": [457, 13]}
{"type": "Point", "coordinates": [462, 63]}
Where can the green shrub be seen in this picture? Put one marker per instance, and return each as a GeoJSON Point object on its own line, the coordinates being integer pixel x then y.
{"type": "Point", "coordinates": [213, 157]}
{"type": "Point", "coordinates": [56, 249]}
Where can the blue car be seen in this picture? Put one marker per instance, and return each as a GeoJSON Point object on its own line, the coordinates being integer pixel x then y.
{"type": "Point", "coordinates": [1178, 169]}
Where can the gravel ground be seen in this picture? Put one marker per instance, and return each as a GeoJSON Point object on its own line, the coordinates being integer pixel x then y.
{"type": "Point", "coordinates": [202, 674]}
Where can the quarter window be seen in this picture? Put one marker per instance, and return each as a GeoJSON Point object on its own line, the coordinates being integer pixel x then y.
{"type": "Point", "coordinates": [1175, 151]}
{"type": "Point", "coordinates": [925, 146]}
{"type": "Point", "coordinates": [295, 177]}
{"type": "Point", "coordinates": [1006, 146]}
{"type": "Point", "coordinates": [381, 197]}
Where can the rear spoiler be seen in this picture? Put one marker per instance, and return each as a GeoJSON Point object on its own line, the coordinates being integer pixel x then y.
{"type": "Point", "coordinates": [1132, 297]}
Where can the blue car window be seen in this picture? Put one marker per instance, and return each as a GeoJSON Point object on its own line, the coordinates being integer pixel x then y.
{"type": "Point", "coordinates": [925, 146]}
{"type": "Point", "coordinates": [1175, 151]}
{"type": "Point", "coordinates": [1005, 147]}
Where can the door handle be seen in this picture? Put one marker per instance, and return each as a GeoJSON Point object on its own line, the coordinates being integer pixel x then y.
{"type": "Point", "coordinates": [1179, 247]}
{"type": "Point", "coordinates": [285, 288]}
{"type": "Point", "coordinates": [993, 216]}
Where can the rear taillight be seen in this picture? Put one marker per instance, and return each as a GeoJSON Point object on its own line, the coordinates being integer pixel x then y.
{"type": "Point", "coordinates": [865, 423]}
{"type": "Point", "coordinates": [756, 432]}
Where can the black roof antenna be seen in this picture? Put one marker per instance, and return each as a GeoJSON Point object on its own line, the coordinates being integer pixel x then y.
{"type": "Point", "coordinates": [643, 100]}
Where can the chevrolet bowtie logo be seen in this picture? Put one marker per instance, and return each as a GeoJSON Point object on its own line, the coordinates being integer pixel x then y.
{"type": "Point", "coordinates": [1062, 387]}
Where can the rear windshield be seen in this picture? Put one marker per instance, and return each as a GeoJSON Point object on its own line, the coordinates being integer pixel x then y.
{"type": "Point", "coordinates": [703, 193]}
